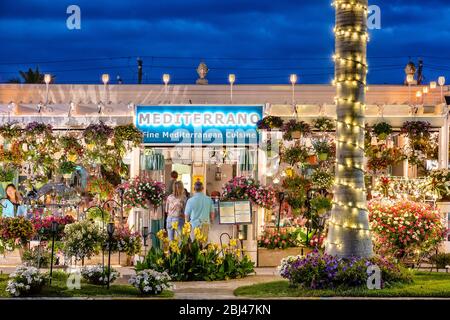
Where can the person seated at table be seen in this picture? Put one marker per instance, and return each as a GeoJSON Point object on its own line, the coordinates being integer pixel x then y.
{"type": "Point", "coordinates": [11, 206]}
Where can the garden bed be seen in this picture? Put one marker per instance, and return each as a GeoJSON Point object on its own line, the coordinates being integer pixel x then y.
{"type": "Point", "coordinates": [426, 284]}
{"type": "Point", "coordinates": [59, 289]}
{"type": "Point", "coordinates": [273, 257]}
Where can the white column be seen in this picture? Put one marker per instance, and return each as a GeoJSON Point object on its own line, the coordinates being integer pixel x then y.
{"type": "Point", "coordinates": [443, 143]}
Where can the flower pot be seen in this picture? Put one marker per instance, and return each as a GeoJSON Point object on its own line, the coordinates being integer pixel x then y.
{"type": "Point", "coordinates": [323, 156]}
{"type": "Point", "coordinates": [296, 134]}
{"type": "Point", "coordinates": [312, 159]}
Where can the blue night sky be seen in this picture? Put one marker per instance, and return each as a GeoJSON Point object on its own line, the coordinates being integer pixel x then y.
{"type": "Point", "coordinates": [261, 41]}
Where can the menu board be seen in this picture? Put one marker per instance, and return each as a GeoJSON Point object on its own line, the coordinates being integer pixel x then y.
{"type": "Point", "coordinates": [235, 212]}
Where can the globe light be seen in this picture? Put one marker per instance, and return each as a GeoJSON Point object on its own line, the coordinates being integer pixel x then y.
{"type": "Point", "coordinates": [410, 78]}
{"type": "Point", "coordinates": [293, 78]}
{"type": "Point", "coordinates": [166, 78]}
{"type": "Point", "coordinates": [441, 81]}
{"type": "Point", "coordinates": [47, 78]}
{"type": "Point", "coordinates": [231, 78]}
{"type": "Point", "coordinates": [105, 78]}
{"type": "Point", "coordinates": [433, 85]}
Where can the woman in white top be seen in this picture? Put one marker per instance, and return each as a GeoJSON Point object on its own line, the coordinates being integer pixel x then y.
{"type": "Point", "coordinates": [175, 204]}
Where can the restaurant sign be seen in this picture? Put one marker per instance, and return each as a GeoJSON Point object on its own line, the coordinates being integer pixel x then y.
{"type": "Point", "coordinates": [199, 124]}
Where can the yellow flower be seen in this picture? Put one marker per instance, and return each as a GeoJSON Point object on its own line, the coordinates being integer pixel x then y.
{"type": "Point", "coordinates": [72, 157]}
{"type": "Point", "coordinates": [90, 146]}
{"type": "Point", "coordinates": [219, 261]}
{"type": "Point", "coordinates": [159, 262]}
{"type": "Point", "coordinates": [186, 229]}
{"type": "Point", "coordinates": [174, 247]}
{"type": "Point", "coordinates": [175, 225]}
{"type": "Point", "coordinates": [233, 242]}
{"type": "Point", "coordinates": [198, 234]}
{"type": "Point", "coordinates": [161, 234]}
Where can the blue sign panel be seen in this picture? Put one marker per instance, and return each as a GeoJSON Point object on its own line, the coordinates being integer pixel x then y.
{"type": "Point", "coordinates": [199, 124]}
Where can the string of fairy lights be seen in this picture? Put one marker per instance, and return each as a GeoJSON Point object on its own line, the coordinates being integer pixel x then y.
{"type": "Point", "coordinates": [350, 74]}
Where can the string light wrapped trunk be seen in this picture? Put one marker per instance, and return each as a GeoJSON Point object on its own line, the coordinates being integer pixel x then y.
{"type": "Point", "coordinates": [349, 233]}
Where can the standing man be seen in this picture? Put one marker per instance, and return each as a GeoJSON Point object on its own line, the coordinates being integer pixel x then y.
{"type": "Point", "coordinates": [199, 210]}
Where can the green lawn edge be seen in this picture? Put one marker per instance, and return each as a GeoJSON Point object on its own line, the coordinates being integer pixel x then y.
{"type": "Point", "coordinates": [436, 285]}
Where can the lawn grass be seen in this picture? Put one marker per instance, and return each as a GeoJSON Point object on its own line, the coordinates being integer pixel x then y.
{"type": "Point", "coordinates": [59, 288]}
{"type": "Point", "coordinates": [425, 285]}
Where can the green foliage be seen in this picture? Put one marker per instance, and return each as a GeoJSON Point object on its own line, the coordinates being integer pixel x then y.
{"type": "Point", "coordinates": [320, 204]}
{"type": "Point", "coordinates": [296, 154]}
{"type": "Point", "coordinates": [195, 260]}
{"type": "Point", "coordinates": [37, 257]}
{"type": "Point", "coordinates": [382, 130]}
{"type": "Point", "coordinates": [321, 146]}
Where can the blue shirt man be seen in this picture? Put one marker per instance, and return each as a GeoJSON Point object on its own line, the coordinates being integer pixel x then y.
{"type": "Point", "coordinates": [199, 210]}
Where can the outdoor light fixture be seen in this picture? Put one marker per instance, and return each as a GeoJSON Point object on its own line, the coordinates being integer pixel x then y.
{"type": "Point", "coordinates": [433, 85]}
{"type": "Point", "coordinates": [441, 82]}
{"type": "Point", "coordinates": [166, 78]}
{"type": "Point", "coordinates": [231, 80]}
{"type": "Point", "coordinates": [409, 80]}
{"type": "Point", "coordinates": [293, 79]}
{"type": "Point", "coordinates": [105, 78]}
{"type": "Point", "coordinates": [54, 231]}
{"type": "Point", "coordinates": [47, 78]}
{"type": "Point", "coordinates": [110, 229]}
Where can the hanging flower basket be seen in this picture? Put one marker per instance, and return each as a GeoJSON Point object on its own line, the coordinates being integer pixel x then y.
{"type": "Point", "coordinates": [323, 156]}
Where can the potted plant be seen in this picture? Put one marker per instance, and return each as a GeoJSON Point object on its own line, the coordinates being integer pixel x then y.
{"type": "Point", "coordinates": [320, 204]}
{"type": "Point", "coordinates": [322, 148]}
{"type": "Point", "coordinates": [294, 130]}
{"type": "Point", "coordinates": [97, 134]}
{"type": "Point", "coordinates": [127, 136]}
{"type": "Point", "coordinates": [269, 123]}
{"type": "Point", "coordinates": [294, 155]}
{"type": "Point", "coordinates": [323, 124]}
{"type": "Point", "coordinates": [382, 130]}
{"type": "Point", "coordinates": [66, 168]}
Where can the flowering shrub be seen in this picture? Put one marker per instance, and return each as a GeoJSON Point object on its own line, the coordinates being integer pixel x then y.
{"type": "Point", "coordinates": [126, 241]}
{"type": "Point", "coordinates": [82, 239]}
{"type": "Point", "coordinates": [98, 274]}
{"type": "Point", "coordinates": [193, 260]}
{"type": "Point", "coordinates": [140, 191]}
{"type": "Point", "coordinates": [101, 187]}
{"type": "Point", "coordinates": [43, 226]}
{"type": "Point", "coordinates": [271, 238]}
{"type": "Point", "coordinates": [15, 231]}
{"type": "Point", "coordinates": [34, 129]}
{"type": "Point", "coordinates": [246, 188]}
{"type": "Point", "coordinates": [150, 281]}
{"type": "Point", "coordinates": [320, 271]}
{"type": "Point", "coordinates": [402, 228]}
{"type": "Point", "coordinates": [71, 146]}
{"type": "Point", "coordinates": [25, 280]}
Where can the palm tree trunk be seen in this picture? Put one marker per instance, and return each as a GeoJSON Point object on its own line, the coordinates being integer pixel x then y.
{"type": "Point", "coordinates": [349, 233]}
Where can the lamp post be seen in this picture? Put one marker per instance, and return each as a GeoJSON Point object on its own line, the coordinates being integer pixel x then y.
{"type": "Point", "coordinates": [110, 230]}
{"type": "Point", "coordinates": [231, 80]}
{"type": "Point", "coordinates": [441, 82]}
{"type": "Point", "coordinates": [293, 79]}
{"type": "Point", "coordinates": [47, 80]}
{"type": "Point", "coordinates": [166, 80]}
{"type": "Point", "coordinates": [281, 199]}
{"type": "Point", "coordinates": [145, 234]}
{"type": "Point", "coordinates": [409, 80]}
{"type": "Point", "coordinates": [54, 230]}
